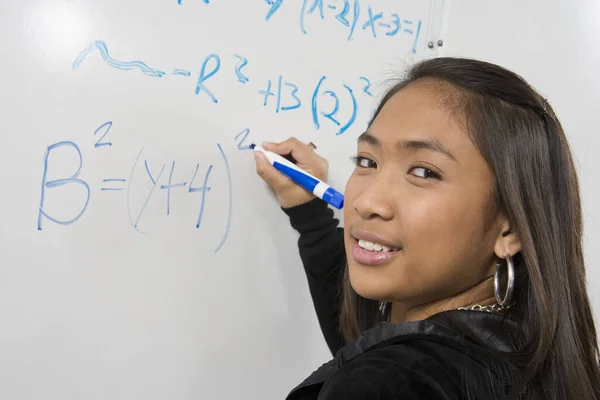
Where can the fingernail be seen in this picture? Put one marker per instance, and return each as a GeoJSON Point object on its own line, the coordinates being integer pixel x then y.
{"type": "Point", "coordinates": [267, 144]}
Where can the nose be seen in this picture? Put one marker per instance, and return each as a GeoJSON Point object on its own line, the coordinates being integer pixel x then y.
{"type": "Point", "coordinates": [376, 200]}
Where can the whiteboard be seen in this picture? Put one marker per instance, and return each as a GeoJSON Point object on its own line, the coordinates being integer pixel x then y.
{"type": "Point", "coordinates": [141, 255]}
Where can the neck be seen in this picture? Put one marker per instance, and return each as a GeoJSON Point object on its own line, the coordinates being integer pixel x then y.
{"type": "Point", "coordinates": [481, 293]}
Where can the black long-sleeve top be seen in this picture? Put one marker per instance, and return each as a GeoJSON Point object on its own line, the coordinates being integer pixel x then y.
{"type": "Point", "coordinates": [321, 246]}
{"type": "Point", "coordinates": [451, 355]}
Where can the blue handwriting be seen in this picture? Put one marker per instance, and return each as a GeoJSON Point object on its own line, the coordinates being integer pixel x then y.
{"type": "Point", "coordinates": [281, 94]}
{"type": "Point", "coordinates": [275, 4]}
{"type": "Point", "coordinates": [106, 126]}
{"type": "Point", "coordinates": [244, 135]}
{"type": "Point", "coordinates": [154, 184]}
{"type": "Point", "coordinates": [371, 22]}
{"type": "Point", "coordinates": [238, 69]}
{"type": "Point", "coordinates": [122, 184]}
{"type": "Point", "coordinates": [125, 66]}
{"type": "Point", "coordinates": [204, 189]}
{"type": "Point", "coordinates": [230, 204]}
{"type": "Point", "coordinates": [204, 76]}
{"type": "Point", "coordinates": [293, 94]}
{"type": "Point", "coordinates": [183, 72]}
{"type": "Point", "coordinates": [367, 86]}
{"type": "Point", "coordinates": [112, 180]}
{"type": "Point", "coordinates": [331, 115]}
{"type": "Point", "coordinates": [204, 1]}
{"type": "Point", "coordinates": [49, 184]}
{"type": "Point", "coordinates": [169, 186]}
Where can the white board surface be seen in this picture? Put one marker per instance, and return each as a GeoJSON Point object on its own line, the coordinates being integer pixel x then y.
{"type": "Point", "coordinates": [141, 256]}
{"type": "Point", "coordinates": [139, 297]}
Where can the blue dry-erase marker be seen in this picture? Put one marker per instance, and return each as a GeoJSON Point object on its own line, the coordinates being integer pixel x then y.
{"type": "Point", "coordinates": [303, 178]}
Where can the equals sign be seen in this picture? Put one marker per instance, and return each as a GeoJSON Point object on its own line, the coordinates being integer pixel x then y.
{"type": "Point", "coordinates": [112, 180]}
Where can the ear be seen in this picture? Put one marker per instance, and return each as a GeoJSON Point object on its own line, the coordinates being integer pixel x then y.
{"type": "Point", "coordinates": [507, 242]}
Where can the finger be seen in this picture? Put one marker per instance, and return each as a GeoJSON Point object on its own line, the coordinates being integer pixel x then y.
{"type": "Point", "coordinates": [268, 173]}
{"type": "Point", "coordinates": [260, 163]}
{"type": "Point", "coordinates": [300, 151]}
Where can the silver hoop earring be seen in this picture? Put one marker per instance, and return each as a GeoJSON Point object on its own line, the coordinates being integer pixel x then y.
{"type": "Point", "coordinates": [510, 266]}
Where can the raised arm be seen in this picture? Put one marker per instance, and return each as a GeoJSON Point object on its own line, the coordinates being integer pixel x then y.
{"type": "Point", "coordinates": [321, 246]}
{"type": "Point", "coordinates": [321, 242]}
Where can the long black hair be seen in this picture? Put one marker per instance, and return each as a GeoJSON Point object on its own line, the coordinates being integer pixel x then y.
{"type": "Point", "coordinates": [522, 140]}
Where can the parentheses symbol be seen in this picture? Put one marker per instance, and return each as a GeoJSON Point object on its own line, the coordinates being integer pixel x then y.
{"type": "Point", "coordinates": [354, 110]}
{"type": "Point", "coordinates": [315, 113]}
{"type": "Point", "coordinates": [229, 182]}
{"type": "Point", "coordinates": [129, 190]}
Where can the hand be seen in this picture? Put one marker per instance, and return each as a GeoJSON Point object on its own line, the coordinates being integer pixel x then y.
{"type": "Point", "coordinates": [289, 193]}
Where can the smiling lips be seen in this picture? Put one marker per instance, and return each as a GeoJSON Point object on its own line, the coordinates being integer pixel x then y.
{"type": "Point", "coordinates": [369, 249]}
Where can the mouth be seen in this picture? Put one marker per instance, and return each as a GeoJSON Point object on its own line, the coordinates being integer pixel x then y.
{"type": "Point", "coordinates": [369, 249]}
{"type": "Point", "coordinates": [374, 246]}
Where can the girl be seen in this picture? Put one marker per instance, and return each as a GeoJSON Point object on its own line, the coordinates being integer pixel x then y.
{"type": "Point", "coordinates": [459, 272]}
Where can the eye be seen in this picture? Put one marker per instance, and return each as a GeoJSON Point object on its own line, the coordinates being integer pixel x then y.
{"type": "Point", "coordinates": [424, 172]}
{"type": "Point", "coordinates": [363, 162]}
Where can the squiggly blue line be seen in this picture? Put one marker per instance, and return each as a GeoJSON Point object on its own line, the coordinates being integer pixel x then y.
{"type": "Point", "coordinates": [125, 66]}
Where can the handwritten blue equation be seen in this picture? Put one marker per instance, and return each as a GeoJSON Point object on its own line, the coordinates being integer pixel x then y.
{"type": "Point", "coordinates": [280, 94]}
{"type": "Point", "coordinates": [158, 180]}
{"type": "Point", "coordinates": [357, 18]}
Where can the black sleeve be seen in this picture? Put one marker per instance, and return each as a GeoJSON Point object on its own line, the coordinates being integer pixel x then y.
{"type": "Point", "coordinates": [321, 246]}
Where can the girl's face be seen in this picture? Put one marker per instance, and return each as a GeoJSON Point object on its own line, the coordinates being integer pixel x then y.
{"type": "Point", "coordinates": [420, 221]}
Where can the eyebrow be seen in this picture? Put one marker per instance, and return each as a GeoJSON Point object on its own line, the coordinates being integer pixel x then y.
{"type": "Point", "coordinates": [410, 144]}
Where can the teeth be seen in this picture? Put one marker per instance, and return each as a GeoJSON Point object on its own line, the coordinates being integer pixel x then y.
{"type": "Point", "coordinates": [365, 244]}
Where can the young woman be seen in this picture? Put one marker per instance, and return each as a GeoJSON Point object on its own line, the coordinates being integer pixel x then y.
{"type": "Point", "coordinates": [459, 273]}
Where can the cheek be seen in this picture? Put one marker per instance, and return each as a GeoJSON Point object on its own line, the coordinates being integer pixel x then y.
{"type": "Point", "coordinates": [433, 212]}
{"type": "Point", "coordinates": [444, 229]}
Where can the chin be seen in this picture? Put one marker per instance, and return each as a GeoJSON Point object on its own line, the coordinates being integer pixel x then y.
{"type": "Point", "coordinates": [371, 283]}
